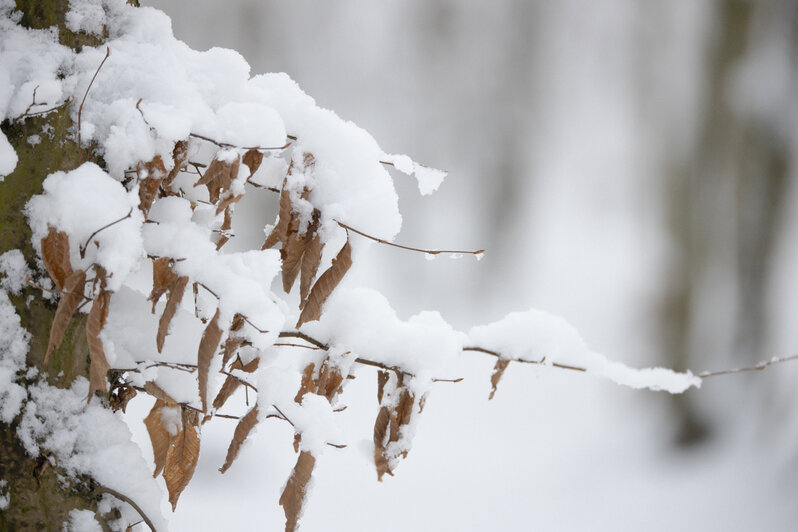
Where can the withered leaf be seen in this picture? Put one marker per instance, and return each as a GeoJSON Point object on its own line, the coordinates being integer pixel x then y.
{"type": "Point", "coordinates": [330, 380]}
{"type": "Point", "coordinates": [207, 348]}
{"type": "Point", "coordinates": [159, 436]}
{"type": "Point", "coordinates": [382, 380]}
{"type": "Point", "coordinates": [172, 304]}
{"type": "Point", "coordinates": [280, 231]}
{"type": "Point", "coordinates": [98, 368]}
{"type": "Point", "coordinates": [296, 490]}
{"type": "Point", "coordinates": [181, 458]}
{"type": "Point", "coordinates": [310, 265]}
{"type": "Point", "coordinates": [231, 345]}
{"type": "Point", "coordinates": [55, 255]}
{"type": "Point", "coordinates": [227, 201]}
{"type": "Point", "coordinates": [71, 297]}
{"type": "Point", "coordinates": [307, 384]}
{"type": "Point", "coordinates": [180, 156]}
{"type": "Point", "coordinates": [291, 255]}
{"type": "Point", "coordinates": [227, 225]}
{"type": "Point", "coordinates": [252, 159]}
{"type": "Point", "coordinates": [218, 177]}
{"type": "Point", "coordinates": [325, 285]}
{"type": "Point", "coordinates": [231, 384]}
{"type": "Point", "coordinates": [163, 278]}
{"type": "Point", "coordinates": [244, 427]}
{"type": "Point", "coordinates": [151, 174]}
{"type": "Point", "coordinates": [380, 441]}
{"type": "Point", "coordinates": [498, 371]}
{"type": "Point", "coordinates": [121, 396]}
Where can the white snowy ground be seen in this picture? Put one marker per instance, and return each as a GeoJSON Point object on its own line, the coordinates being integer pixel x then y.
{"type": "Point", "coordinates": [554, 450]}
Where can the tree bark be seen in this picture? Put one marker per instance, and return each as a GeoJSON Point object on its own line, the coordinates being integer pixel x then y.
{"type": "Point", "coordinates": [39, 500]}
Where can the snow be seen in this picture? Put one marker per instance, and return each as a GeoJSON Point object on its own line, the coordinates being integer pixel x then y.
{"type": "Point", "coordinates": [8, 157]}
{"type": "Point", "coordinates": [82, 203]}
{"type": "Point", "coordinates": [88, 439]}
{"type": "Point", "coordinates": [542, 337]}
{"type": "Point", "coordinates": [13, 348]}
{"type": "Point", "coordinates": [5, 498]}
{"type": "Point", "coordinates": [14, 270]}
{"type": "Point", "coordinates": [361, 320]}
{"type": "Point", "coordinates": [82, 521]}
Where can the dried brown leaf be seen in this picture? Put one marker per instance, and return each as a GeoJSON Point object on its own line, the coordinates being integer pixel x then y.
{"type": "Point", "coordinates": [380, 441]}
{"type": "Point", "coordinates": [307, 384]}
{"type": "Point", "coordinates": [98, 368]}
{"type": "Point", "coordinates": [325, 285]}
{"type": "Point", "coordinates": [207, 348]}
{"type": "Point", "coordinates": [71, 297]}
{"type": "Point", "coordinates": [291, 255]}
{"type": "Point", "coordinates": [382, 380]}
{"type": "Point", "coordinates": [330, 380]}
{"type": "Point", "coordinates": [498, 371]}
{"type": "Point", "coordinates": [231, 384]}
{"type": "Point", "coordinates": [231, 346]}
{"type": "Point", "coordinates": [296, 490]}
{"type": "Point", "coordinates": [121, 397]}
{"type": "Point", "coordinates": [181, 458]}
{"type": "Point", "coordinates": [180, 156]}
{"type": "Point", "coordinates": [227, 201]}
{"type": "Point", "coordinates": [172, 304]}
{"type": "Point", "coordinates": [55, 255]}
{"type": "Point", "coordinates": [280, 231]}
{"type": "Point", "coordinates": [310, 265]}
{"type": "Point", "coordinates": [163, 278]}
{"type": "Point", "coordinates": [252, 159]}
{"type": "Point", "coordinates": [244, 427]}
{"type": "Point", "coordinates": [224, 230]}
{"type": "Point", "coordinates": [218, 177]}
{"type": "Point", "coordinates": [151, 174]}
{"type": "Point", "coordinates": [159, 436]}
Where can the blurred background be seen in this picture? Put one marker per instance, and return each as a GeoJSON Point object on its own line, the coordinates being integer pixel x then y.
{"type": "Point", "coordinates": [628, 165]}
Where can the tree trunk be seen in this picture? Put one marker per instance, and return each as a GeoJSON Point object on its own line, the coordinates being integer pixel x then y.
{"type": "Point", "coordinates": [39, 500]}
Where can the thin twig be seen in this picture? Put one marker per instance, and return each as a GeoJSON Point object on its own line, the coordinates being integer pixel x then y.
{"type": "Point", "coordinates": [758, 367]}
{"type": "Point", "coordinates": [103, 228]}
{"type": "Point", "coordinates": [131, 502]}
{"type": "Point", "coordinates": [227, 145]}
{"type": "Point", "coordinates": [410, 248]}
{"type": "Point", "coordinates": [336, 445]}
{"type": "Point", "coordinates": [287, 344]}
{"type": "Point", "coordinates": [45, 111]}
{"type": "Point", "coordinates": [80, 109]}
{"type": "Point", "coordinates": [521, 360]}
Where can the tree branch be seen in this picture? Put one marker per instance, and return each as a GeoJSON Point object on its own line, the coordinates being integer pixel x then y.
{"type": "Point", "coordinates": [131, 502]}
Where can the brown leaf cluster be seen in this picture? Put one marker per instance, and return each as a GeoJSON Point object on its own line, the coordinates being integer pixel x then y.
{"type": "Point", "coordinates": [396, 410]}
{"type": "Point", "coordinates": [218, 177]}
{"type": "Point", "coordinates": [301, 251]}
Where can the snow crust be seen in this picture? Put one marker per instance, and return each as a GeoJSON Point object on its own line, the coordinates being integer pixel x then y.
{"type": "Point", "coordinates": [82, 521]}
{"type": "Point", "coordinates": [13, 348]}
{"type": "Point", "coordinates": [538, 336]}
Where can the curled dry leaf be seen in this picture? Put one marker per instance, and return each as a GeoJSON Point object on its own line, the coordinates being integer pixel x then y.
{"type": "Point", "coordinates": [173, 300]}
{"type": "Point", "coordinates": [395, 412]}
{"type": "Point", "coordinates": [496, 376]}
{"type": "Point", "coordinates": [295, 490]}
{"type": "Point", "coordinates": [71, 297]}
{"type": "Point", "coordinates": [382, 380]}
{"type": "Point", "coordinates": [207, 348]}
{"type": "Point", "coordinates": [244, 427]}
{"type": "Point", "coordinates": [280, 231]}
{"type": "Point", "coordinates": [325, 285]}
{"type": "Point", "coordinates": [180, 156]}
{"type": "Point", "coordinates": [308, 384]}
{"type": "Point", "coordinates": [310, 262]}
{"type": "Point", "coordinates": [252, 159]}
{"type": "Point", "coordinates": [159, 436]}
{"type": "Point", "coordinates": [150, 174]}
{"type": "Point", "coordinates": [163, 278]}
{"type": "Point", "coordinates": [330, 380]}
{"type": "Point", "coordinates": [218, 177]}
{"type": "Point", "coordinates": [98, 368]}
{"type": "Point", "coordinates": [231, 384]}
{"type": "Point", "coordinates": [181, 457]}
{"type": "Point", "coordinates": [55, 255]}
